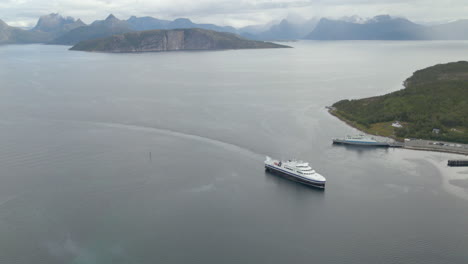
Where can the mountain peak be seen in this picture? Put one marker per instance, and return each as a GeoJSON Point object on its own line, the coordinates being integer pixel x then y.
{"type": "Point", "coordinates": [181, 23]}
{"type": "Point", "coordinates": [111, 17]}
{"type": "Point", "coordinates": [51, 16]}
{"type": "Point", "coordinates": [284, 22]}
{"type": "Point", "coordinates": [183, 20]}
{"type": "Point", "coordinates": [380, 18]}
{"type": "Point", "coordinates": [3, 25]}
{"type": "Point", "coordinates": [325, 21]}
{"type": "Point", "coordinates": [54, 22]}
{"type": "Point", "coordinates": [354, 19]}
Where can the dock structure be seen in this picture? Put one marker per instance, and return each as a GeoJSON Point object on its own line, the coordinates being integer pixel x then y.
{"type": "Point", "coordinates": [413, 144]}
{"type": "Point", "coordinates": [457, 163]}
{"type": "Point", "coordinates": [431, 145]}
{"type": "Point", "coordinates": [396, 144]}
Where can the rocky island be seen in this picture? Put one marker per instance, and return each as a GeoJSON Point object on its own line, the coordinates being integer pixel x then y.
{"type": "Point", "coordinates": [433, 105]}
{"type": "Point", "coordinates": [172, 40]}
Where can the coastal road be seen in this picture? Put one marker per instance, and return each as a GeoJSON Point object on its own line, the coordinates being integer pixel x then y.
{"type": "Point", "coordinates": [430, 145]}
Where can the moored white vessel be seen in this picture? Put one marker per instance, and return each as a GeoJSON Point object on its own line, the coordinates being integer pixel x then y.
{"type": "Point", "coordinates": [360, 140]}
{"type": "Point", "coordinates": [298, 171]}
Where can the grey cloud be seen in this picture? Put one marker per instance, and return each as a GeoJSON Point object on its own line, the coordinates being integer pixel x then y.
{"type": "Point", "coordinates": [235, 12]}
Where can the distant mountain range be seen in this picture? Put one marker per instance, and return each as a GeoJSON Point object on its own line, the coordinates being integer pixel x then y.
{"type": "Point", "coordinates": [284, 30]}
{"type": "Point", "coordinates": [98, 29]}
{"type": "Point", "coordinates": [149, 23]}
{"type": "Point", "coordinates": [47, 28]}
{"type": "Point", "coordinates": [55, 29]}
{"type": "Point", "coordinates": [113, 26]}
{"type": "Point", "coordinates": [378, 28]}
{"type": "Point", "coordinates": [387, 28]}
{"type": "Point", "coordinates": [56, 24]}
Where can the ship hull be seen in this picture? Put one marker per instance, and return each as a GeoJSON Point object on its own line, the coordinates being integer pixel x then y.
{"type": "Point", "coordinates": [292, 177]}
{"type": "Point", "coordinates": [357, 143]}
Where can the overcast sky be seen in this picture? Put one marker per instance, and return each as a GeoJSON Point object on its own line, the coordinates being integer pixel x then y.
{"type": "Point", "coordinates": [231, 12]}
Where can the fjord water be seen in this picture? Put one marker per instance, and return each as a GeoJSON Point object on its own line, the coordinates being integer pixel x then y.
{"type": "Point", "coordinates": [158, 158]}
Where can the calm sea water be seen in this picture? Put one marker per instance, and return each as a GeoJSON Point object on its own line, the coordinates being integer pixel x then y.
{"type": "Point", "coordinates": [158, 158]}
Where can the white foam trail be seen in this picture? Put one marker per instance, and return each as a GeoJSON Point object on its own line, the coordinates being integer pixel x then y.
{"type": "Point", "coordinates": [225, 145]}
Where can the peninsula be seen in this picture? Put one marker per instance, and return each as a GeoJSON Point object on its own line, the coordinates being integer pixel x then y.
{"type": "Point", "coordinates": [433, 106]}
{"type": "Point", "coordinates": [172, 40]}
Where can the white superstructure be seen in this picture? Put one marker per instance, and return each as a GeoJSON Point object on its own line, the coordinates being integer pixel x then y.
{"type": "Point", "coordinates": [360, 140]}
{"type": "Point", "coordinates": [296, 170]}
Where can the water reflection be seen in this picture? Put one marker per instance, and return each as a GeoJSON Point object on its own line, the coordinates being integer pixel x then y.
{"type": "Point", "coordinates": [208, 118]}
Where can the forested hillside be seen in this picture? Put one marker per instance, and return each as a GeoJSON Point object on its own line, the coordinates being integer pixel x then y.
{"type": "Point", "coordinates": [433, 98]}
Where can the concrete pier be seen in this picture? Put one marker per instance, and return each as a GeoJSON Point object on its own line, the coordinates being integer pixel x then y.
{"type": "Point", "coordinates": [430, 145]}
{"type": "Point", "coordinates": [457, 163]}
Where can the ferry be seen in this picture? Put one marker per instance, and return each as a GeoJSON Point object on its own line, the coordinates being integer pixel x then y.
{"type": "Point", "coordinates": [360, 140]}
{"type": "Point", "coordinates": [295, 170]}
